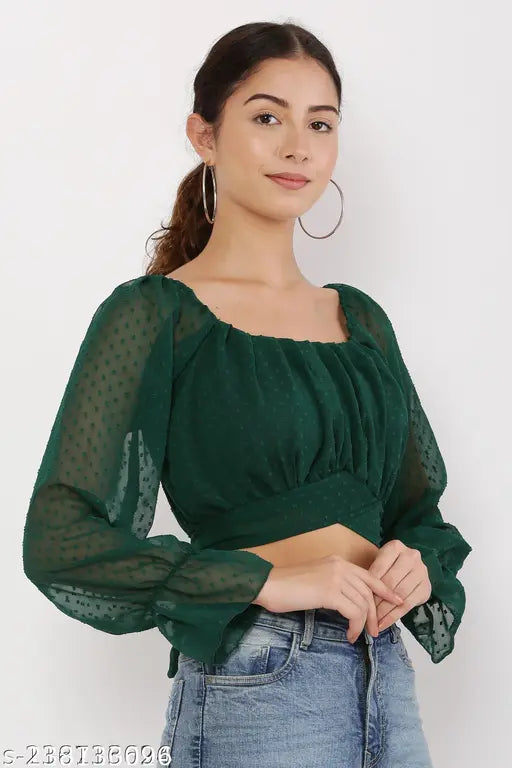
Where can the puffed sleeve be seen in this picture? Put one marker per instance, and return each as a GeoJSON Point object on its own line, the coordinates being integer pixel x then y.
{"type": "Point", "coordinates": [412, 515]}
{"type": "Point", "coordinates": [85, 541]}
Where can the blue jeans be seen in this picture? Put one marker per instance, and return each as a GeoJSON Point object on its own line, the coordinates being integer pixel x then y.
{"type": "Point", "coordinates": [296, 692]}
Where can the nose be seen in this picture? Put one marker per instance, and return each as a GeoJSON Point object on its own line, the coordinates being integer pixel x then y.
{"type": "Point", "coordinates": [299, 155]}
{"type": "Point", "coordinates": [296, 146]}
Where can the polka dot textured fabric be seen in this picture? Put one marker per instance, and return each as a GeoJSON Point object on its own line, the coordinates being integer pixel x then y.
{"type": "Point", "coordinates": [252, 439]}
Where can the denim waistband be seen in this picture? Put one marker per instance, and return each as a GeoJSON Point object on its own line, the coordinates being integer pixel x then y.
{"type": "Point", "coordinates": [323, 622]}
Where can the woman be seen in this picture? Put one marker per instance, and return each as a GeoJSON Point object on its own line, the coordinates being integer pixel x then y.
{"type": "Point", "coordinates": [288, 437]}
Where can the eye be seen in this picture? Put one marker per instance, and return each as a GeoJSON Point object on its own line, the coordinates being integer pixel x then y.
{"type": "Point", "coordinates": [264, 114]}
{"type": "Point", "coordinates": [322, 122]}
{"type": "Point", "coordinates": [315, 122]}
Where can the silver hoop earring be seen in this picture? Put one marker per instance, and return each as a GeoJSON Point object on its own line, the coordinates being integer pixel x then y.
{"type": "Point", "coordinates": [321, 237]}
{"type": "Point", "coordinates": [214, 193]}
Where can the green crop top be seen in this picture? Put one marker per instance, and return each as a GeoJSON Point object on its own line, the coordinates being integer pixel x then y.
{"type": "Point", "coordinates": [253, 438]}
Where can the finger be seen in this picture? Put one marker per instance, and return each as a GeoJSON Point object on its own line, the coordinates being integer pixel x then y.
{"type": "Point", "coordinates": [399, 571]}
{"type": "Point", "coordinates": [358, 617]}
{"type": "Point", "coordinates": [407, 586]}
{"type": "Point", "coordinates": [404, 588]}
{"type": "Point", "coordinates": [383, 590]}
{"type": "Point", "coordinates": [394, 577]}
{"type": "Point", "coordinates": [347, 608]}
{"type": "Point", "coordinates": [383, 610]}
{"type": "Point", "coordinates": [371, 621]}
{"type": "Point", "coordinates": [390, 619]}
{"type": "Point", "coordinates": [397, 612]}
{"type": "Point", "coordinates": [378, 586]}
{"type": "Point", "coordinates": [377, 599]}
{"type": "Point", "coordinates": [401, 579]}
{"type": "Point", "coordinates": [385, 559]}
{"type": "Point", "coordinates": [414, 595]}
{"type": "Point", "coordinates": [371, 617]}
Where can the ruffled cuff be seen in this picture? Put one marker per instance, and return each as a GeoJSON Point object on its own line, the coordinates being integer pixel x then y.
{"type": "Point", "coordinates": [197, 607]}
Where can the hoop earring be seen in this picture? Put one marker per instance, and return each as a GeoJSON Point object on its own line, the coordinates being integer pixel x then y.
{"type": "Point", "coordinates": [214, 193]}
{"type": "Point", "coordinates": [211, 220]}
{"type": "Point", "coordinates": [321, 237]}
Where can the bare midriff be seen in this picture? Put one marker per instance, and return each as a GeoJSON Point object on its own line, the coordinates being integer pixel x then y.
{"type": "Point", "coordinates": [331, 539]}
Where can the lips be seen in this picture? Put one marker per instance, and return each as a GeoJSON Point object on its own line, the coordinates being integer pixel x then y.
{"type": "Point", "coordinates": [290, 176]}
{"type": "Point", "coordinates": [288, 183]}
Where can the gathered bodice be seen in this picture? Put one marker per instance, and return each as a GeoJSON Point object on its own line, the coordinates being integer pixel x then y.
{"type": "Point", "coordinates": [256, 419]}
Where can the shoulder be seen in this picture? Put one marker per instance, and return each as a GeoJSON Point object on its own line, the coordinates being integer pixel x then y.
{"type": "Point", "coordinates": [141, 299]}
{"type": "Point", "coordinates": [366, 307]}
{"type": "Point", "coordinates": [370, 314]}
{"type": "Point", "coordinates": [133, 316]}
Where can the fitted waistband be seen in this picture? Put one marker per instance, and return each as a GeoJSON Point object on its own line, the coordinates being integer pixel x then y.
{"type": "Point", "coordinates": [338, 498]}
{"type": "Point", "coordinates": [323, 622]}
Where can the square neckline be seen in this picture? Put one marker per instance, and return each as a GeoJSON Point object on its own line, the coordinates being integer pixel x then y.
{"type": "Point", "coordinates": [284, 339]}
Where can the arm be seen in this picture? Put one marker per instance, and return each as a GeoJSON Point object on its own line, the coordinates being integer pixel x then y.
{"type": "Point", "coordinates": [85, 542]}
{"type": "Point", "coordinates": [412, 515]}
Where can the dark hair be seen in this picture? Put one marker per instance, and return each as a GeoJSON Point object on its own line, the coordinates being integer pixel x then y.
{"type": "Point", "coordinates": [231, 60]}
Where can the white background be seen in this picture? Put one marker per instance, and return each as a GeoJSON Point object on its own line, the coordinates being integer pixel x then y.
{"type": "Point", "coordinates": [95, 97]}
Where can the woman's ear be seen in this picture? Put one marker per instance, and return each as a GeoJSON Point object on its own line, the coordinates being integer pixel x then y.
{"type": "Point", "coordinates": [200, 135]}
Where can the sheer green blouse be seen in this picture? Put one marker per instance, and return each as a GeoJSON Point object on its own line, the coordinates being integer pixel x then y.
{"type": "Point", "coordinates": [252, 438]}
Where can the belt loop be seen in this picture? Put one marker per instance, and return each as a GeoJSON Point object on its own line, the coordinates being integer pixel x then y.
{"type": "Point", "coordinates": [395, 632]}
{"type": "Point", "coordinates": [309, 624]}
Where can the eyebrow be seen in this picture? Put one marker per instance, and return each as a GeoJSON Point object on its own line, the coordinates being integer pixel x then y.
{"type": "Point", "coordinates": [286, 104]}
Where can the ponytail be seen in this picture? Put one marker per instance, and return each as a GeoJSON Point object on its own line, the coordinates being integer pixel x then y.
{"type": "Point", "coordinates": [188, 231]}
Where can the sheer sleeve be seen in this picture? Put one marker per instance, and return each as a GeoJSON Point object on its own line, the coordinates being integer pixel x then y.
{"type": "Point", "coordinates": [85, 541]}
{"type": "Point", "coordinates": [412, 515]}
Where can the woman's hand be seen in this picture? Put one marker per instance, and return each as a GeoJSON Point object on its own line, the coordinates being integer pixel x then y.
{"type": "Point", "coordinates": [402, 570]}
{"type": "Point", "coordinates": [327, 582]}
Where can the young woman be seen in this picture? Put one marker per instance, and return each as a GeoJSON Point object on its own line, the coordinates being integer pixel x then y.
{"type": "Point", "coordinates": [283, 425]}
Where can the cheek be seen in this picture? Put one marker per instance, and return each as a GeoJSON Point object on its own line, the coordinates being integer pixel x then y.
{"type": "Point", "coordinates": [325, 157]}
{"type": "Point", "coordinates": [241, 163]}
{"type": "Point", "coordinates": [249, 148]}
{"type": "Point", "coordinates": [327, 165]}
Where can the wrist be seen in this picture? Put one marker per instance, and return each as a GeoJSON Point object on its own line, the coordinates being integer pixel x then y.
{"type": "Point", "coordinates": [264, 596]}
